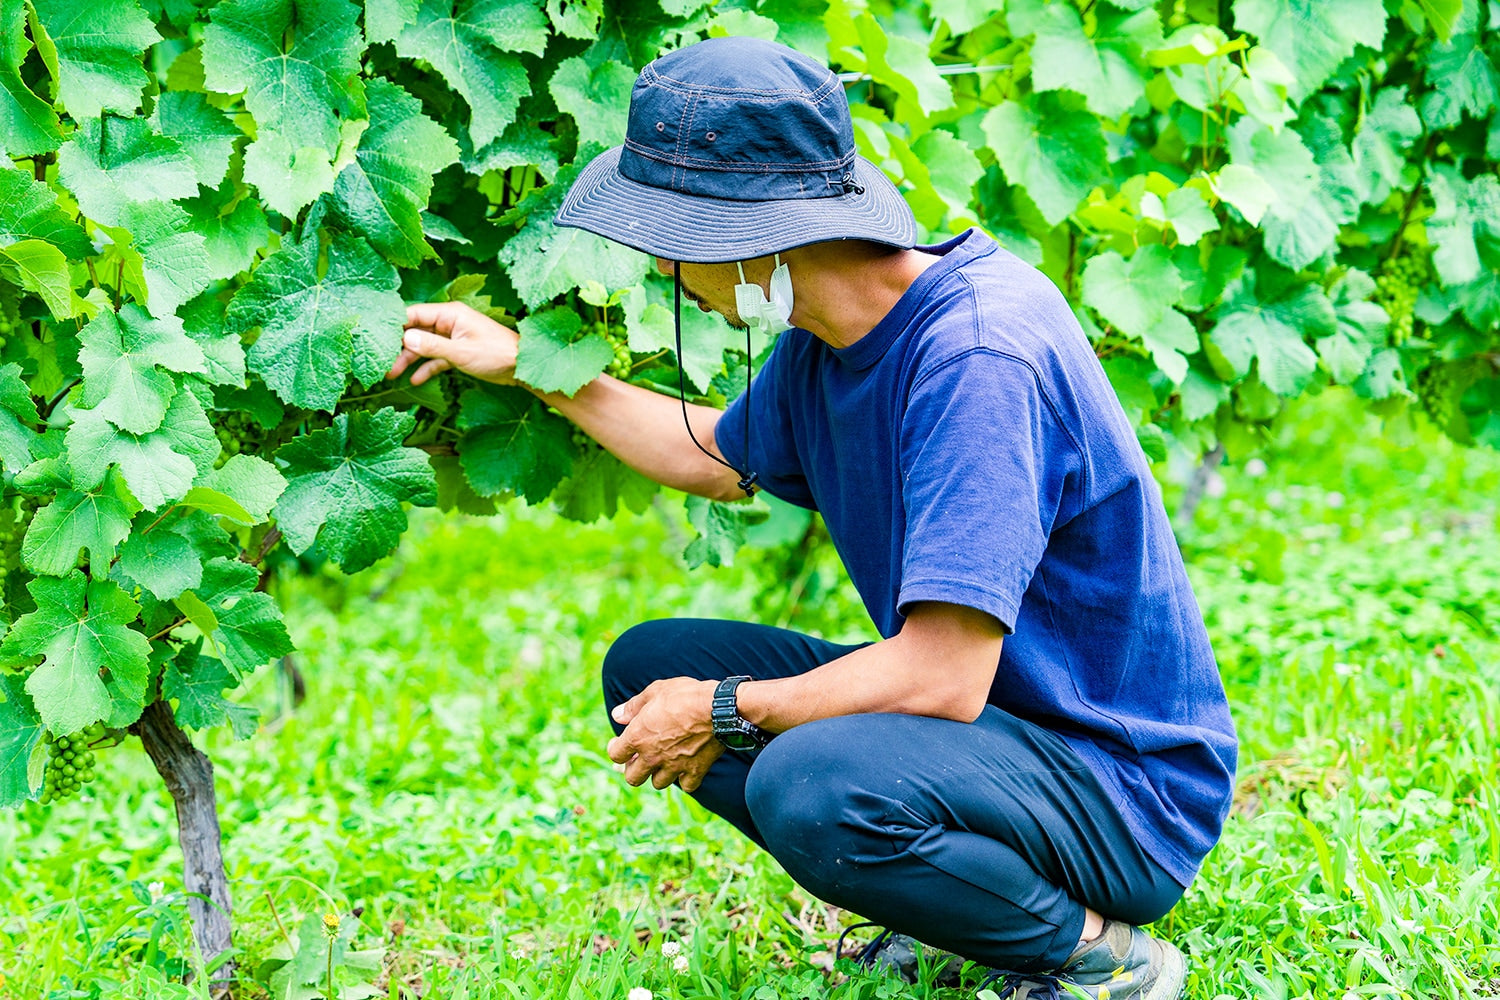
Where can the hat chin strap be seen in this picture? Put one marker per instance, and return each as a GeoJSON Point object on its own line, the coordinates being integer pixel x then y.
{"type": "Point", "coordinates": [748, 480]}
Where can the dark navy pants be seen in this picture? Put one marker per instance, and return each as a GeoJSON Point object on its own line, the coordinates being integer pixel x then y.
{"type": "Point", "coordinates": [985, 839]}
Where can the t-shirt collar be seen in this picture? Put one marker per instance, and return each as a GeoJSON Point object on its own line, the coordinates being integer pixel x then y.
{"type": "Point", "coordinates": [870, 348]}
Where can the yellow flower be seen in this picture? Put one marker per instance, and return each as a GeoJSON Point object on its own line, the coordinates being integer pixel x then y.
{"type": "Point", "coordinates": [331, 924]}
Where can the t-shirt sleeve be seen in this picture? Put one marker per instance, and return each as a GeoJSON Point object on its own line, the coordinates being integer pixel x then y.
{"type": "Point", "coordinates": [984, 467]}
{"type": "Point", "coordinates": [773, 447]}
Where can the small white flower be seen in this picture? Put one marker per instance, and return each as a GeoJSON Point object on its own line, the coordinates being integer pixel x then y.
{"type": "Point", "coordinates": [157, 891]}
{"type": "Point", "coordinates": [1409, 926]}
{"type": "Point", "coordinates": [1345, 669]}
{"type": "Point", "coordinates": [639, 993]}
{"type": "Point", "coordinates": [1215, 487]}
{"type": "Point", "coordinates": [670, 948]}
{"type": "Point", "coordinates": [1255, 468]}
{"type": "Point", "coordinates": [517, 955]}
{"type": "Point", "coordinates": [1275, 499]}
{"type": "Point", "coordinates": [1334, 499]}
{"type": "Point", "coordinates": [680, 964]}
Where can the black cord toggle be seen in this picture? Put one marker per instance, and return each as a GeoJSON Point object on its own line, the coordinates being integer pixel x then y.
{"type": "Point", "coordinates": [851, 186]}
{"type": "Point", "coordinates": [748, 484]}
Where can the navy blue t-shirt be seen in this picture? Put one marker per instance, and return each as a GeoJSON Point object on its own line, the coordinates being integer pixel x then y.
{"type": "Point", "coordinates": [969, 449]}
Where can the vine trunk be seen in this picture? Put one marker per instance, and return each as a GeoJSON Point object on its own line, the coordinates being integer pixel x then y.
{"type": "Point", "coordinates": [189, 777]}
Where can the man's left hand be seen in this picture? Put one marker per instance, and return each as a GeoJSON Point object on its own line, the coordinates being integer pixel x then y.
{"type": "Point", "coordinates": [669, 734]}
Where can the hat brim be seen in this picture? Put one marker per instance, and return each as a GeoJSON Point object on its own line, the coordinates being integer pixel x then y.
{"type": "Point", "coordinates": [698, 230]}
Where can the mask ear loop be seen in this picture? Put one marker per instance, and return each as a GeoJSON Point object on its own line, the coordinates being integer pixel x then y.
{"type": "Point", "coordinates": [748, 480]}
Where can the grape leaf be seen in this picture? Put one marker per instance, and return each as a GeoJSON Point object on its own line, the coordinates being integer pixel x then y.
{"type": "Point", "coordinates": [1109, 69]}
{"type": "Point", "coordinates": [346, 485]}
{"type": "Point", "coordinates": [223, 354]}
{"type": "Point", "coordinates": [89, 655]}
{"type": "Point", "coordinates": [233, 229]}
{"type": "Point", "coordinates": [249, 481]}
{"type": "Point", "coordinates": [597, 98]}
{"type": "Point", "coordinates": [157, 466]}
{"type": "Point", "coordinates": [1311, 37]}
{"type": "Point", "coordinates": [1462, 78]}
{"type": "Point", "coordinates": [1186, 211]}
{"type": "Point", "coordinates": [197, 683]}
{"type": "Point", "coordinates": [249, 631]}
{"type": "Point", "coordinates": [963, 16]}
{"type": "Point", "coordinates": [297, 62]}
{"type": "Point", "coordinates": [1137, 297]}
{"type": "Point", "coordinates": [475, 46]}
{"type": "Point", "coordinates": [904, 66]}
{"type": "Point", "coordinates": [575, 18]}
{"type": "Point", "coordinates": [18, 415]}
{"type": "Point", "coordinates": [126, 360]}
{"type": "Point", "coordinates": [28, 210]}
{"type": "Point", "coordinates": [1056, 154]}
{"type": "Point", "coordinates": [20, 733]}
{"type": "Point", "coordinates": [384, 19]}
{"type": "Point", "coordinates": [205, 134]}
{"type": "Point", "coordinates": [161, 561]}
{"type": "Point", "coordinates": [317, 331]}
{"type": "Point", "coordinates": [599, 484]}
{"type": "Point", "coordinates": [382, 193]}
{"type": "Point", "coordinates": [99, 45]}
{"type": "Point", "coordinates": [510, 442]}
{"type": "Point", "coordinates": [1271, 332]}
{"type": "Point", "coordinates": [1388, 130]}
{"type": "Point", "coordinates": [543, 261]}
{"type": "Point", "coordinates": [110, 163]}
{"type": "Point", "coordinates": [553, 358]}
{"type": "Point", "coordinates": [1465, 214]}
{"type": "Point", "coordinates": [1362, 327]}
{"type": "Point", "coordinates": [162, 254]}
{"type": "Point", "coordinates": [28, 124]}
{"type": "Point", "coordinates": [1298, 226]}
{"type": "Point", "coordinates": [942, 171]}
{"type": "Point", "coordinates": [41, 268]}
{"type": "Point", "coordinates": [94, 521]}
{"type": "Point", "coordinates": [721, 528]}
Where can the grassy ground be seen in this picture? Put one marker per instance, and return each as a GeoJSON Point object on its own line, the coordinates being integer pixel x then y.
{"type": "Point", "coordinates": [445, 780]}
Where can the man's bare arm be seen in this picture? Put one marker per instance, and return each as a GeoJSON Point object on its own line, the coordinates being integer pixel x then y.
{"type": "Point", "coordinates": [940, 665]}
{"type": "Point", "coordinates": [643, 429]}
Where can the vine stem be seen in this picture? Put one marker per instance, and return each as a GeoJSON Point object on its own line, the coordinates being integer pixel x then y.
{"type": "Point", "coordinates": [1411, 203]}
{"type": "Point", "coordinates": [58, 398]}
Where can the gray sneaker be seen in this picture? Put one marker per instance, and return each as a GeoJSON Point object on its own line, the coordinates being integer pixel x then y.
{"type": "Point", "coordinates": [898, 953]}
{"type": "Point", "coordinates": [1122, 962]}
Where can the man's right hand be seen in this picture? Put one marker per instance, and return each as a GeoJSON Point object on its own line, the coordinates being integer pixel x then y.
{"type": "Point", "coordinates": [453, 335]}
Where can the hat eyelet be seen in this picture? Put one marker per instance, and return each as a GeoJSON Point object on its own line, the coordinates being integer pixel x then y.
{"type": "Point", "coordinates": [711, 136]}
{"type": "Point", "coordinates": [661, 126]}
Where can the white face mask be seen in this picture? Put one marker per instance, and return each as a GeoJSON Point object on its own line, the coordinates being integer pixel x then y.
{"type": "Point", "coordinates": [771, 315]}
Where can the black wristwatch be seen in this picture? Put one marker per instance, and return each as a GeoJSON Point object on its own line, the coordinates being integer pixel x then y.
{"type": "Point", "coordinates": [730, 727]}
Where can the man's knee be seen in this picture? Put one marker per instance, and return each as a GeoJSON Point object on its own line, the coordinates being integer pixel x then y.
{"type": "Point", "coordinates": [812, 798]}
{"type": "Point", "coordinates": [634, 660]}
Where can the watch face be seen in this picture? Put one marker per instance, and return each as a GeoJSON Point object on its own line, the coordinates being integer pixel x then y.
{"type": "Point", "coordinates": [737, 740]}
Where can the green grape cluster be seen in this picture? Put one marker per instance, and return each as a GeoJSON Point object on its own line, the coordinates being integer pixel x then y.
{"type": "Point", "coordinates": [1397, 288]}
{"type": "Point", "coordinates": [70, 762]}
{"type": "Point", "coordinates": [236, 431]}
{"type": "Point", "coordinates": [13, 525]}
{"type": "Point", "coordinates": [1435, 385]}
{"type": "Point", "coordinates": [622, 363]}
{"type": "Point", "coordinates": [6, 328]}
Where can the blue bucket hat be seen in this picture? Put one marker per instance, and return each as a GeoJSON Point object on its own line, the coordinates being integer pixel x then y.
{"type": "Point", "coordinates": [736, 148]}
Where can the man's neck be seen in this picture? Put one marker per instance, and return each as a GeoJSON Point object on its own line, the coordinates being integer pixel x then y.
{"type": "Point", "coordinates": [840, 294]}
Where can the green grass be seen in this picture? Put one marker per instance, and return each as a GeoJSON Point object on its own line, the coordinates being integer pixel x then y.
{"type": "Point", "coordinates": [446, 777]}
